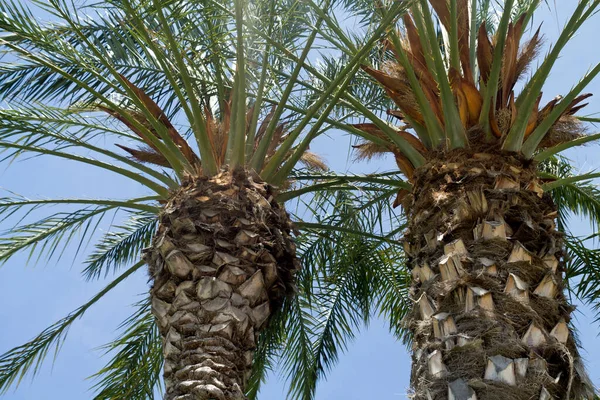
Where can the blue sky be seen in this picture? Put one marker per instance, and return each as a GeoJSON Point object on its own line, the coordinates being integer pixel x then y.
{"type": "Point", "coordinates": [375, 365]}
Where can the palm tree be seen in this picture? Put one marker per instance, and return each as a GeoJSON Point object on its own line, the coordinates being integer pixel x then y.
{"type": "Point", "coordinates": [202, 107]}
{"type": "Point", "coordinates": [489, 263]}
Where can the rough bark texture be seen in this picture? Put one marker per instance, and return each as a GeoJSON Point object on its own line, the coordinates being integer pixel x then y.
{"type": "Point", "coordinates": [490, 319]}
{"type": "Point", "coordinates": [221, 262]}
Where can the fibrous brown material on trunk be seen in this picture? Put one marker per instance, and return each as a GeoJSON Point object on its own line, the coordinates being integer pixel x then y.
{"type": "Point", "coordinates": [221, 262]}
{"type": "Point", "coordinates": [490, 319]}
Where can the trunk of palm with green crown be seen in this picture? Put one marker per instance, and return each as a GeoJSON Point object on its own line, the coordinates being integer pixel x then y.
{"type": "Point", "coordinates": [221, 129]}
{"type": "Point", "coordinates": [223, 257]}
{"type": "Point", "coordinates": [221, 261]}
{"type": "Point", "coordinates": [490, 318]}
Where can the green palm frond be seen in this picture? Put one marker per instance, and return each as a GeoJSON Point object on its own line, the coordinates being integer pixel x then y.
{"type": "Point", "coordinates": [583, 269]}
{"type": "Point", "coordinates": [269, 344]}
{"type": "Point", "coordinates": [342, 305]}
{"type": "Point", "coordinates": [121, 245]}
{"type": "Point", "coordinates": [135, 367]}
{"type": "Point", "coordinates": [50, 131]}
{"type": "Point", "coordinates": [50, 235]}
{"type": "Point", "coordinates": [27, 358]}
{"type": "Point", "coordinates": [137, 39]}
{"type": "Point", "coordinates": [347, 278]}
{"type": "Point", "coordinates": [578, 198]}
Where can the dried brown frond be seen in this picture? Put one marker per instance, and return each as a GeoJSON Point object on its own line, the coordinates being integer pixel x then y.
{"type": "Point", "coordinates": [509, 64]}
{"type": "Point", "coordinates": [416, 56]}
{"type": "Point", "coordinates": [520, 26]}
{"type": "Point", "coordinates": [574, 106]}
{"type": "Point", "coordinates": [276, 140]}
{"type": "Point", "coordinates": [401, 196]}
{"type": "Point", "coordinates": [567, 128]}
{"type": "Point", "coordinates": [397, 114]}
{"type": "Point", "coordinates": [529, 52]}
{"type": "Point", "coordinates": [161, 116]}
{"type": "Point", "coordinates": [463, 38]}
{"type": "Point", "coordinates": [372, 129]}
{"type": "Point", "coordinates": [533, 118]}
{"type": "Point", "coordinates": [369, 150]}
{"type": "Point", "coordinates": [389, 77]}
{"type": "Point", "coordinates": [263, 125]}
{"type": "Point", "coordinates": [218, 136]}
{"type": "Point", "coordinates": [146, 155]}
{"type": "Point", "coordinates": [485, 53]}
{"type": "Point", "coordinates": [544, 112]}
{"type": "Point", "coordinates": [404, 165]}
{"type": "Point", "coordinates": [443, 11]}
{"type": "Point", "coordinates": [468, 96]}
{"type": "Point", "coordinates": [313, 161]}
{"type": "Point", "coordinates": [414, 42]}
{"type": "Point", "coordinates": [395, 83]}
{"type": "Point", "coordinates": [249, 114]}
{"type": "Point", "coordinates": [407, 102]}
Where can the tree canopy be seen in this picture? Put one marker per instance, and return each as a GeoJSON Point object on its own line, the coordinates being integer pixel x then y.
{"type": "Point", "coordinates": [152, 91]}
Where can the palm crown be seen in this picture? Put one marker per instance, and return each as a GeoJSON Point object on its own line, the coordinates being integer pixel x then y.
{"type": "Point", "coordinates": [463, 94]}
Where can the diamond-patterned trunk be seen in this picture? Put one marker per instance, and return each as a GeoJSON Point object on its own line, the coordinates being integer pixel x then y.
{"type": "Point", "coordinates": [221, 262]}
{"type": "Point", "coordinates": [490, 319]}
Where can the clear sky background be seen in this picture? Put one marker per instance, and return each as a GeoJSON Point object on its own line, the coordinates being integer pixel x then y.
{"type": "Point", "coordinates": [375, 366]}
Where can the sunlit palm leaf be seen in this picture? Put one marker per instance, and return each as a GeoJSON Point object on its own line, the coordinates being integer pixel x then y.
{"type": "Point", "coordinates": [121, 245]}
{"type": "Point", "coordinates": [134, 370]}
{"type": "Point", "coordinates": [28, 358]}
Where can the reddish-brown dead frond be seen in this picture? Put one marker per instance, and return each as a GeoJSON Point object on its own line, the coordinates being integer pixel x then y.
{"type": "Point", "coordinates": [146, 155]}
{"type": "Point", "coordinates": [161, 116]}
{"type": "Point", "coordinates": [369, 150]}
{"type": "Point", "coordinates": [485, 53]}
{"type": "Point", "coordinates": [217, 131]}
{"type": "Point", "coordinates": [529, 52]}
{"type": "Point", "coordinates": [567, 128]}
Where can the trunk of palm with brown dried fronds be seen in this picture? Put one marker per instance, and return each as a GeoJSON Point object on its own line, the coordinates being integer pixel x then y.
{"type": "Point", "coordinates": [490, 319]}
{"type": "Point", "coordinates": [221, 262]}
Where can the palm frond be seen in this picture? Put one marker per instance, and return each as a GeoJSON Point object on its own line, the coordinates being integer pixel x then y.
{"type": "Point", "coordinates": [121, 245]}
{"type": "Point", "coordinates": [269, 344]}
{"type": "Point", "coordinates": [347, 278]}
{"type": "Point", "coordinates": [577, 199]}
{"type": "Point", "coordinates": [456, 84]}
{"type": "Point", "coordinates": [28, 358]}
{"type": "Point", "coordinates": [583, 270]}
{"type": "Point", "coordinates": [45, 130]}
{"type": "Point", "coordinates": [135, 368]}
{"type": "Point", "coordinates": [50, 235]}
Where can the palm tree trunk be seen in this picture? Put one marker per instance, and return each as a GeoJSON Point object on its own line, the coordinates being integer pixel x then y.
{"type": "Point", "coordinates": [490, 319]}
{"type": "Point", "coordinates": [221, 262]}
